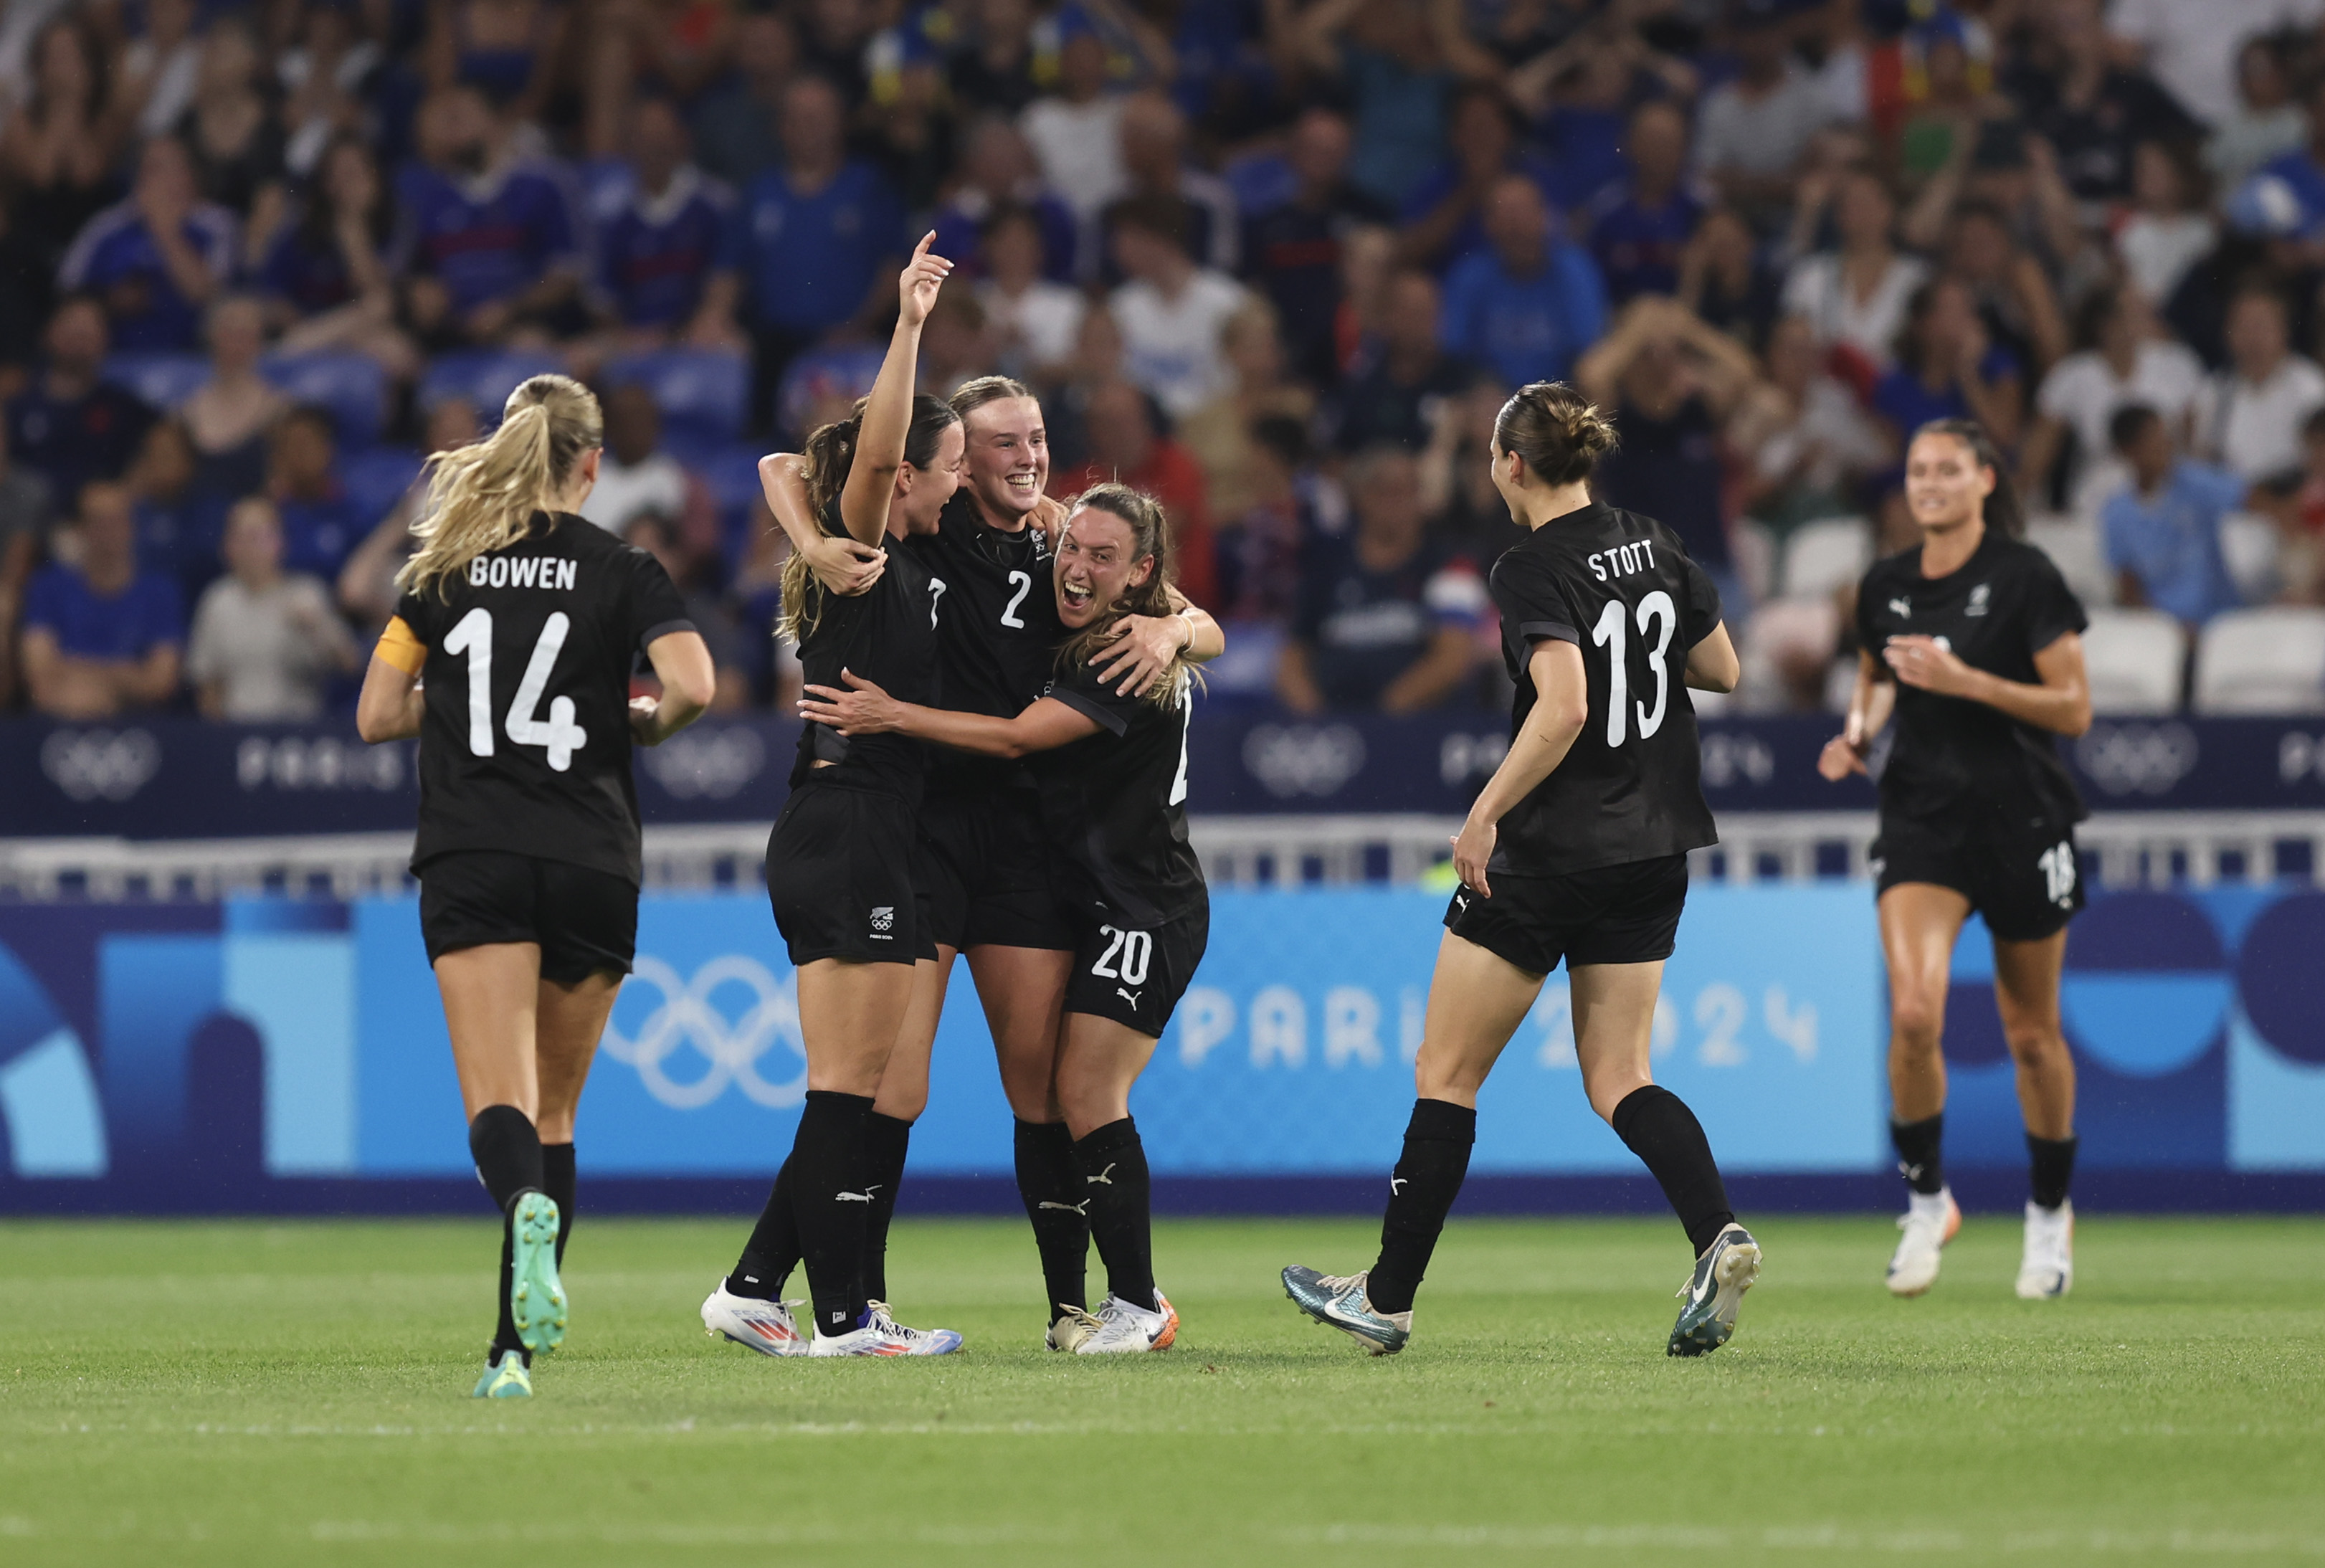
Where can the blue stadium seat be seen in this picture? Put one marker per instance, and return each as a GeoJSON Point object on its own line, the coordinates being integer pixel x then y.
{"type": "Point", "coordinates": [377, 477]}
{"type": "Point", "coordinates": [705, 392]}
{"type": "Point", "coordinates": [162, 380]}
{"type": "Point", "coordinates": [484, 377]}
{"type": "Point", "coordinates": [351, 387]}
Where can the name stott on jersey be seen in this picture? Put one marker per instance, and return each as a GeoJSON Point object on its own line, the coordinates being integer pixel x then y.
{"type": "Point", "coordinates": [1956, 760]}
{"type": "Point", "coordinates": [1115, 802]}
{"type": "Point", "coordinates": [1621, 588]}
{"type": "Point", "coordinates": [525, 740]}
{"type": "Point", "coordinates": [999, 630]}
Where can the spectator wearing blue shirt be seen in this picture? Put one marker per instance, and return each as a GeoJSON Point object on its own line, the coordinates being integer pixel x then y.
{"type": "Point", "coordinates": [1948, 368]}
{"type": "Point", "coordinates": [486, 238]}
{"type": "Point", "coordinates": [325, 276]}
{"type": "Point", "coordinates": [1531, 302]}
{"type": "Point", "coordinates": [1291, 251]}
{"type": "Point", "coordinates": [101, 637]}
{"type": "Point", "coordinates": [669, 252]}
{"type": "Point", "coordinates": [2302, 169]}
{"type": "Point", "coordinates": [1385, 621]}
{"type": "Point", "coordinates": [1400, 63]}
{"type": "Point", "coordinates": [1443, 220]}
{"type": "Point", "coordinates": [70, 425]}
{"type": "Point", "coordinates": [998, 170]}
{"type": "Point", "coordinates": [157, 258]}
{"type": "Point", "coordinates": [824, 232]}
{"type": "Point", "coordinates": [321, 525]}
{"type": "Point", "coordinates": [2162, 533]}
{"type": "Point", "coordinates": [1639, 227]}
{"type": "Point", "coordinates": [1397, 393]}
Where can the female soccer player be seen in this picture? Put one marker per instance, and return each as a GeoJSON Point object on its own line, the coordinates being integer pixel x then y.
{"type": "Point", "coordinates": [1575, 849]}
{"type": "Point", "coordinates": [840, 861]}
{"type": "Point", "coordinates": [1975, 641]}
{"type": "Point", "coordinates": [988, 867]}
{"type": "Point", "coordinates": [509, 656]}
{"type": "Point", "coordinates": [1110, 769]}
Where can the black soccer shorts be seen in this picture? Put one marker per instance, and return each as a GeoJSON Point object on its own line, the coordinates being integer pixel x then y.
{"type": "Point", "coordinates": [1612, 915]}
{"type": "Point", "coordinates": [1134, 974]}
{"type": "Point", "coordinates": [843, 878]}
{"type": "Point", "coordinates": [2027, 888]}
{"type": "Point", "coordinates": [584, 920]}
{"type": "Point", "coordinates": [987, 872]}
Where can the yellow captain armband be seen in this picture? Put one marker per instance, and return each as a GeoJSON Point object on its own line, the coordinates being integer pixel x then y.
{"type": "Point", "coordinates": [399, 647]}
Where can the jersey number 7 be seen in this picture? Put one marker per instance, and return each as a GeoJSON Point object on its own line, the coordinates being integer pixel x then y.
{"type": "Point", "coordinates": [473, 637]}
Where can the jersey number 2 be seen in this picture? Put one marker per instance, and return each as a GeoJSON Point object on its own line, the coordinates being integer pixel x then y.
{"type": "Point", "coordinates": [1023, 582]}
{"type": "Point", "coordinates": [1613, 634]}
{"type": "Point", "coordinates": [473, 638]}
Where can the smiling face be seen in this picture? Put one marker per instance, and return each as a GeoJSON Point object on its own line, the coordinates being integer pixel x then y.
{"type": "Point", "coordinates": [921, 493]}
{"type": "Point", "coordinates": [1008, 462]}
{"type": "Point", "coordinates": [1945, 483]}
{"type": "Point", "coordinates": [1098, 564]}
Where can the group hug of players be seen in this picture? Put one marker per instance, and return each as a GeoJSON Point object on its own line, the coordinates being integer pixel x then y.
{"type": "Point", "coordinates": [998, 689]}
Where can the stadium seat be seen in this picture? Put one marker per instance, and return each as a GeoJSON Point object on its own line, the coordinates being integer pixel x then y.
{"type": "Point", "coordinates": [163, 381]}
{"type": "Point", "coordinates": [484, 377]}
{"type": "Point", "coordinates": [2249, 547]}
{"type": "Point", "coordinates": [705, 392]}
{"type": "Point", "coordinates": [2073, 544]}
{"type": "Point", "coordinates": [351, 387]}
{"type": "Point", "coordinates": [2136, 660]}
{"type": "Point", "coordinates": [2270, 660]}
{"type": "Point", "coordinates": [1823, 556]}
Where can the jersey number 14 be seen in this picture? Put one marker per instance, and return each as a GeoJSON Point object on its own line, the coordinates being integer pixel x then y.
{"type": "Point", "coordinates": [1613, 634]}
{"type": "Point", "coordinates": [473, 637]}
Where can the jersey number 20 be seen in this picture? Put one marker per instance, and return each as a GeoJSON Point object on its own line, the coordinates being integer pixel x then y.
{"type": "Point", "coordinates": [473, 637]}
{"type": "Point", "coordinates": [1613, 634]}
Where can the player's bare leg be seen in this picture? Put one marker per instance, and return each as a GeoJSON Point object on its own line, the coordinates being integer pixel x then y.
{"type": "Point", "coordinates": [1919, 923]}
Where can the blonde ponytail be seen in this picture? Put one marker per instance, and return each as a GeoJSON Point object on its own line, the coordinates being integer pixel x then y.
{"type": "Point", "coordinates": [482, 497]}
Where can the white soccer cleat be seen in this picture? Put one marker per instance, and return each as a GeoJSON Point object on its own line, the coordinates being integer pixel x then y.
{"type": "Point", "coordinates": [2047, 1267]}
{"type": "Point", "coordinates": [1125, 1330]}
{"type": "Point", "coordinates": [882, 1335]}
{"type": "Point", "coordinates": [765, 1326]}
{"type": "Point", "coordinates": [1067, 1334]}
{"type": "Point", "coordinates": [1930, 1221]}
{"type": "Point", "coordinates": [925, 1341]}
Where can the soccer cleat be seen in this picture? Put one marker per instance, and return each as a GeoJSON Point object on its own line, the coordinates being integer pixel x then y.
{"type": "Point", "coordinates": [1067, 1333]}
{"type": "Point", "coordinates": [929, 1342]}
{"type": "Point", "coordinates": [1126, 1329]}
{"type": "Point", "coordinates": [504, 1379]}
{"type": "Point", "coordinates": [2047, 1267]}
{"type": "Point", "coordinates": [536, 1295]}
{"type": "Point", "coordinates": [880, 1335]}
{"type": "Point", "coordinates": [765, 1326]}
{"type": "Point", "coordinates": [1339, 1300]}
{"type": "Point", "coordinates": [1714, 1292]}
{"type": "Point", "coordinates": [1930, 1221]}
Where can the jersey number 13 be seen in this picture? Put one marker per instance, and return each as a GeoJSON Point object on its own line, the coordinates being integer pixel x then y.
{"type": "Point", "coordinates": [1613, 634]}
{"type": "Point", "coordinates": [473, 638]}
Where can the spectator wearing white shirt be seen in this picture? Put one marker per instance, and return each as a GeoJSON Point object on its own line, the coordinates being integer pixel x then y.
{"type": "Point", "coordinates": [1034, 321]}
{"type": "Point", "coordinates": [1077, 132]}
{"type": "Point", "coordinates": [2124, 359]}
{"type": "Point", "coordinates": [1855, 297]}
{"type": "Point", "coordinates": [2257, 404]}
{"type": "Point", "coordinates": [1171, 311]}
{"type": "Point", "coordinates": [2191, 45]}
{"type": "Point", "coordinates": [634, 478]}
{"type": "Point", "coordinates": [2169, 231]}
{"type": "Point", "coordinates": [1753, 132]}
{"type": "Point", "coordinates": [2267, 122]}
{"type": "Point", "coordinates": [1805, 440]}
{"type": "Point", "coordinates": [265, 640]}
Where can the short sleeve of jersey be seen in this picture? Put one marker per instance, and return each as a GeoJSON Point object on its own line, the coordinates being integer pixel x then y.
{"type": "Point", "coordinates": [1532, 600]}
{"type": "Point", "coordinates": [2052, 611]}
{"type": "Point", "coordinates": [1095, 701]}
{"type": "Point", "coordinates": [1703, 610]}
{"type": "Point", "coordinates": [655, 609]}
{"type": "Point", "coordinates": [417, 611]}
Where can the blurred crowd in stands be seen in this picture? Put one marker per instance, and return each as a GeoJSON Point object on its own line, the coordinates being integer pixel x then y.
{"type": "Point", "coordinates": [1276, 260]}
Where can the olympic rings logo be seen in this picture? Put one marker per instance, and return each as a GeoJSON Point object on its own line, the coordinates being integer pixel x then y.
{"type": "Point", "coordinates": [686, 1022]}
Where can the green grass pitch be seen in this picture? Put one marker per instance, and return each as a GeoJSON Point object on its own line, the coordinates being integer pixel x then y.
{"type": "Point", "coordinates": [253, 1393]}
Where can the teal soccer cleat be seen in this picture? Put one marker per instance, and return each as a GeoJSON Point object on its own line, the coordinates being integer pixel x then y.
{"type": "Point", "coordinates": [506, 1378]}
{"type": "Point", "coordinates": [1338, 1301]}
{"type": "Point", "coordinates": [536, 1295]}
{"type": "Point", "coordinates": [1714, 1292]}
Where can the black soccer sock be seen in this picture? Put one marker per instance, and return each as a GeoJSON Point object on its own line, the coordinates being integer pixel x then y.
{"type": "Point", "coordinates": [885, 1138]}
{"type": "Point", "coordinates": [557, 1177]}
{"type": "Point", "coordinates": [1421, 1192]}
{"type": "Point", "coordinates": [506, 1148]}
{"type": "Point", "coordinates": [828, 1198]}
{"type": "Point", "coordinates": [2051, 1169]}
{"type": "Point", "coordinates": [773, 1249]}
{"type": "Point", "coordinates": [1921, 1153]}
{"type": "Point", "coordinates": [1051, 1183]}
{"type": "Point", "coordinates": [1115, 1185]}
{"type": "Point", "coordinates": [1664, 1134]}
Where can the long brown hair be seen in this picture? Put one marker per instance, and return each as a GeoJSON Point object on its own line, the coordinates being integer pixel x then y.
{"type": "Point", "coordinates": [830, 455]}
{"type": "Point", "coordinates": [2002, 509]}
{"type": "Point", "coordinates": [1150, 535]}
{"type": "Point", "coordinates": [482, 497]}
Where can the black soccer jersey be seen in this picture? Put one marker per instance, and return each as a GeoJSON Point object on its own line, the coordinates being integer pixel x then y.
{"type": "Point", "coordinates": [524, 742]}
{"type": "Point", "coordinates": [888, 635]}
{"type": "Point", "coordinates": [1114, 802]}
{"type": "Point", "coordinates": [1620, 587]}
{"type": "Point", "coordinates": [997, 630]}
{"type": "Point", "coordinates": [1955, 763]}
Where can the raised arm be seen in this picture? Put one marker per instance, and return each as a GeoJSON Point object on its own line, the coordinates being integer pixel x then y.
{"type": "Point", "coordinates": [864, 708]}
{"type": "Point", "coordinates": [888, 415]}
{"type": "Point", "coordinates": [1562, 706]}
